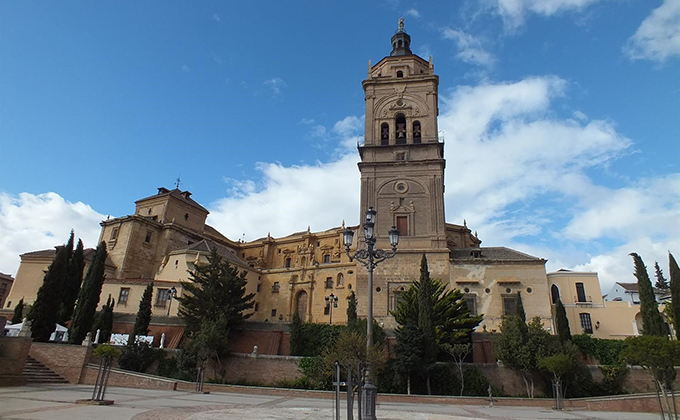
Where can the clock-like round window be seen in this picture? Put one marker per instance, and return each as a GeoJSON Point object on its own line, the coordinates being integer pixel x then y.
{"type": "Point", "coordinates": [401, 187]}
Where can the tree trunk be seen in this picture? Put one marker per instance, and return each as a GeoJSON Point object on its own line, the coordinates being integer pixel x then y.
{"type": "Point", "coordinates": [462, 379]}
{"type": "Point", "coordinates": [429, 388]}
{"type": "Point", "coordinates": [408, 385]}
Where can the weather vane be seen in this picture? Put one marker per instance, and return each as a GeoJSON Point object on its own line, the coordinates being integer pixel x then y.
{"type": "Point", "coordinates": [178, 182]}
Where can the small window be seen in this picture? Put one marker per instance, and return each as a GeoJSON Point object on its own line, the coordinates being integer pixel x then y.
{"type": "Point", "coordinates": [510, 305]}
{"type": "Point", "coordinates": [402, 225]}
{"type": "Point", "coordinates": [417, 133]}
{"type": "Point", "coordinates": [400, 73]}
{"type": "Point", "coordinates": [586, 323]}
{"type": "Point", "coordinates": [329, 282]}
{"type": "Point", "coordinates": [162, 297]}
{"type": "Point", "coordinates": [554, 293]}
{"type": "Point", "coordinates": [123, 296]}
{"type": "Point", "coordinates": [326, 258]}
{"type": "Point", "coordinates": [384, 134]}
{"type": "Point", "coordinates": [176, 263]}
{"type": "Point", "coordinates": [580, 292]}
{"type": "Point", "coordinates": [9, 304]}
{"type": "Point", "coordinates": [149, 212]}
{"type": "Point", "coordinates": [259, 288]}
{"type": "Point", "coordinates": [327, 309]}
{"type": "Point", "coordinates": [273, 312]}
{"type": "Point", "coordinates": [275, 287]}
{"type": "Point", "coordinates": [471, 303]}
{"type": "Point", "coordinates": [400, 156]}
{"type": "Point", "coordinates": [288, 262]}
{"type": "Point", "coordinates": [114, 234]}
{"type": "Point", "coordinates": [256, 307]}
{"type": "Point", "coordinates": [186, 216]}
{"type": "Point", "coordinates": [341, 280]}
{"type": "Point", "coordinates": [147, 239]}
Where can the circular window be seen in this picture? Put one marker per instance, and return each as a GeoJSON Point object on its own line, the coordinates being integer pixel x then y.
{"type": "Point", "coordinates": [529, 290]}
{"type": "Point", "coordinates": [508, 290]}
{"type": "Point", "coordinates": [487, 290]}
{"type": "Point", "coordinates": [401, 187]}
{"type": "Point", "coordinates": [400, 102]}
{"type": "Point", "coordinates": [350, 272]}
{"type": "Point", "coordinates": [402, 288]}
{"type": "Point", "coordinates": [467, 290]}
{"type": "Point", "coordinates": [378, 289]}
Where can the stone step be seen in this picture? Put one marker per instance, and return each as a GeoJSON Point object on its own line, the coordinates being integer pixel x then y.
{"type": "Point", "coordinates": [37, 373]}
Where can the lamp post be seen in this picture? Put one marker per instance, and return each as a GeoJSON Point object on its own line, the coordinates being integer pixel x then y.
{"type": "Point", "coordinates": [331, 302]}
{"type": "Point", "coordinates": [172, 293]}
{"type": "Point", "coordinates": [370, 258]}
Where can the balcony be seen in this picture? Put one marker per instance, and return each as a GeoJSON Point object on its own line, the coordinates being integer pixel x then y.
{"type": "Point", "coordinates": [409, 140]}
{"type": "Point", "coordinates": [584, 300]}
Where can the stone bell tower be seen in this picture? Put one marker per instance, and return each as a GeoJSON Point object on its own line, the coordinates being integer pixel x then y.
{"type": "Point", "coordinates": [402, 172]}
{"type": "Point", "coordinates": [402, 159]}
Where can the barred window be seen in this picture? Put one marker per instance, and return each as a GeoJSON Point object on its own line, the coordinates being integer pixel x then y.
{"type": "Point", "coordinates": [586, 323]}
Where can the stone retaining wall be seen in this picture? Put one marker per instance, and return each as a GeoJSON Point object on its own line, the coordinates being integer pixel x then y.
{"type": "Point", "coordinates": [66, 360]}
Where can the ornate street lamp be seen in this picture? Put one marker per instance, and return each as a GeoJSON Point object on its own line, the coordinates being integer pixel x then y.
{"type": "Point", "coordinates": [331, 302]}
{"type": "Point", "coordinates": [370, 258]}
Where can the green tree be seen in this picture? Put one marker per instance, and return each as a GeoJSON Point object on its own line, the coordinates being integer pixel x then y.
{"type": "Point", "coordinates": [447, 313]}
{"type": "Point", "coordinates": [562, 322]}
{"type": "Point", "coordinates": [48, 301]}
{"type": "Point", "coordinates": [675, 292]}
{"type": "Point", "coordinates": [459, 352]}
{"type": "Point", "coordinates": [215, 290]}
{"type": "Point", "coordinates": [652, 322]}
{"type": "Point", "coordinates": [211, 343]}
{"type": "Point", "coordinates": [71, 283]}
{"type": "Point", "coordinates": [143, 318]}
{"type": "Point", "coordinates": [88, 297]}
{"type": "Point", "coordinates": [656, 355]}
{"type": "Point", "coordinates": [520, 308]}
{"type": "Point", "coordinates": [352, 309]}
{"type": "Point", "coordinates": [18, 315]}
{"type": "Point", "coordinates": [409, 351]}
{"type": "Point", "coordinates": [661, 282]}
{"type": "Point", "coordinates": [104, 321]}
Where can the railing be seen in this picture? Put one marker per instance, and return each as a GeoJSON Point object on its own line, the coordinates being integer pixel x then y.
{"type": "Point", "coordinates": [587, 299]}
{"type": "Point", "coordinates": [408, 140]}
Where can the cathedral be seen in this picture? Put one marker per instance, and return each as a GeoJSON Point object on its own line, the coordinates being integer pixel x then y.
{"type": "Point", "coordinates": [402, 178]}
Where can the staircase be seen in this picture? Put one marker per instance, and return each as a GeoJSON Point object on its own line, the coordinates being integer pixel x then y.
{"type": "Point", "coordinates": [37, 373]}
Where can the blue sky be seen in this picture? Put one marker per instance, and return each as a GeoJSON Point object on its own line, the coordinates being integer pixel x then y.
{"type": "Point", "coordinates": [561, 118]}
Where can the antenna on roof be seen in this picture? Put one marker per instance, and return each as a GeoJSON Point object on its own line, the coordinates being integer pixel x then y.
{"type": "Point", "coordinates": [178, 182]}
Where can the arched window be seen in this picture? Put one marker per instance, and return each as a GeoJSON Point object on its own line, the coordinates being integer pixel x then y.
{"type": "Point", "coordinates": [400, 73]}
{"type": "Point", "coordinates": [341, 280]}
{"type": "Point", "coordinates": [401, 129]}
{"type": "Point", "coordinates": [554, 293]}
{"type": "Point", "coordinates": [384, 134]}
{"type": "Point", "coordinates": [416, 132]}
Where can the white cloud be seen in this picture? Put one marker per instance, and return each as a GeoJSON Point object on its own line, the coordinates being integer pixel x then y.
{"type": "Point", "coordinates": [216, 18]}
{"type": "Point", "coordinates": [514, 12]}
{"type": "Point", "coordinates": [348, 126]}
{"type": "Point", "coordinates": [470, 49]}
{"type": "Point", "coordinates": [658, 37]}
{"type": "Point", "coordinates": [276, 85]}
{"type": "Point", "coordinates": [30, 222]}
{"type": "Point", "coordinates": [185, 68]}
{"type": "Point", "coordinates": [413, 13]}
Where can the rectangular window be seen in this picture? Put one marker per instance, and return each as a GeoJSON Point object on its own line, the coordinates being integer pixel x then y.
{"type": "Point", "coordinates": [471, 302]}
{"type": "Point", "coordinates": [162, 297]}
{"type": "Point", "coordinates": [275, 287]}
{"type": "Point", "coordinates": [586, 323]}
{"type": "Point", "coordinates": [288, 261]}
{"type": "Point", "coordinates": [402, 225]}
{"type": "Point", "coordinates": [329, 282]}
{"type": "Point", "coordinates": [273, 313]}
{"type": "Point", "coordinates": [580, 292]}
{"type": "Point", "coordinates": [114, 233]}
{"type": "Point", "coordinates": [123, 296]}
{"type": "Point", "coordinates": [327, 259]}
{"type": "Point", "coordinates": [327, 309]}
{"type": "Point", "coordinates": [509, 304]}
{"type": "Point", "coordinates": [259, 288]}
{"type": "Point", "coordinates": [147, 239]}
{"type": "Point", "coordinates": [257, 306]}
{"type": "Point", "coordinates": [396, 297]}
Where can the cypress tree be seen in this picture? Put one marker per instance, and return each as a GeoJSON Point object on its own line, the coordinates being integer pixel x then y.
{"type": "Point", "coordinates": [88, 297]}
{"type": "Point", "coordinates": [352, 309]}
{"type": "Point", "coordinates": [104, 321]}
{"type": "Point", "coordinates": [520, 308]}
{"type": "Point", "coordinates": [562, 322]}
{"type": "Point", "coordinates": [675, 292]}
{"type": "Point", "coordinates": [143, 315]}
{"type": "Point", "coordinates": [18, 315]}
{"type": "Point", "coordinates": [48, 301]}
{"type": "Point", "coordinates": [71, 285]}
{"type": "Point", "coordinates": [425, 319]}
{"type": "Point", "coordinates": [652, 322]}
{"type": "Point", "coordinates": [661, 282]}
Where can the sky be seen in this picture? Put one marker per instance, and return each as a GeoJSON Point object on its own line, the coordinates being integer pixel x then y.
{"type": "Point", "coordinates": [561, 118]}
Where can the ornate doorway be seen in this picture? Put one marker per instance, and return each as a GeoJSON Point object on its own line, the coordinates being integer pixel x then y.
{"type": "Point", "coordinates": [301, 305]}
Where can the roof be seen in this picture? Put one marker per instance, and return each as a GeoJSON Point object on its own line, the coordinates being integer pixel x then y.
{"type": "Point", "coordinates": [88, 253]}
{"type": "Point", "coordinates": [207, 246]}
{"type": "Point", "coordinates": [178, 194]}
{"type": "Point", "coordinates": [499, 253]}
{"type": "Point", "coordinates": [4, 276]}
{"type": "Point", "coordinates": [633, 288]}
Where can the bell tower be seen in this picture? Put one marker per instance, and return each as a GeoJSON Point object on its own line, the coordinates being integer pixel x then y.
{"type": "Point", "coordinates": [402, 158]}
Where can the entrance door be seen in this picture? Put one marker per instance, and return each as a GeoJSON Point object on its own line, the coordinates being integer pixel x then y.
{"type": "Point", "coordinates": [301, 305]}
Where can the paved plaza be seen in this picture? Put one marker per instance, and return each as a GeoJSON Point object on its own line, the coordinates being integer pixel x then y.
{"type": "Point", "coordinates": [56, 402]}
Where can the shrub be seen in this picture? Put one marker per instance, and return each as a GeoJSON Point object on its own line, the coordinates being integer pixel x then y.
{"type": "Point", "coordinates": [606, 351]}
{"type": "Point", "coordinates": [137, 357]}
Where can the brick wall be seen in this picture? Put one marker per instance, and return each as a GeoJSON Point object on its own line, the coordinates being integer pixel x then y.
{"type": "Point", "coordinates": [267, 342]}
{"type": "Point", "coordinates": [13, 352]}
{"type": "Point", "coordinates": [128, 379]}
{"type": "Point", "coordinates": [67, 360]}
{"type": "Point", "coordinates": [264, 369]}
